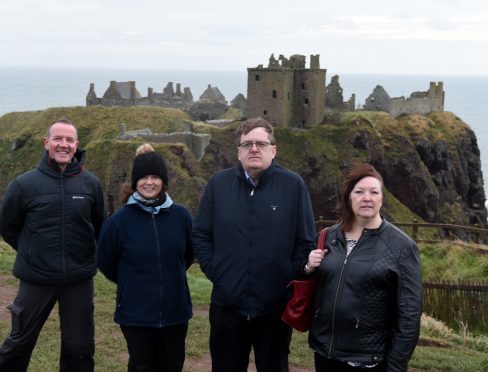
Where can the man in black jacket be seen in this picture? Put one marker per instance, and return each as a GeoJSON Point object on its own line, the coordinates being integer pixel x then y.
{"type": "Point", "coordinates": [253, 233]}
{"type": "Point", "coordinates": [51, 216]}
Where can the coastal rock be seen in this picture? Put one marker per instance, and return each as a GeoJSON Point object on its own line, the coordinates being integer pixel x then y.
{"type": "Point", "coordinates": [430, 163]}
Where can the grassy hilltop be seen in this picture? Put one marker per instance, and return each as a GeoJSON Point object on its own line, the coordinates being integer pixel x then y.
{"type": "Point", "coordinates": [439, 349]}
{"type": "Point", "coordinates": [430, 164]}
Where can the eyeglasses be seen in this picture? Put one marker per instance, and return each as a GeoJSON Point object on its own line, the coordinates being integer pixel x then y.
{"type": "Point", "coordinates": [259, 144]}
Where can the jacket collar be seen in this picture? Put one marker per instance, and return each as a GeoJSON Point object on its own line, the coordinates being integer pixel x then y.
{"type": "Point", "coordinates": [51, 168]}
{"type": "Point", "coordinates": [265, 175]}
{"type": "Point", "coordinates": [151, 209]}
{"type": "Point", "coordinates": [366, 232]}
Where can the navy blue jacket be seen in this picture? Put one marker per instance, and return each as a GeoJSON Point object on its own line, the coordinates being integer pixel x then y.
{"type": "Point", "coordinates": [53, 219]}
{"type": "Point", "coordinates": [251, 241]}
{"type": "Point", "coordinates": [147, 255]}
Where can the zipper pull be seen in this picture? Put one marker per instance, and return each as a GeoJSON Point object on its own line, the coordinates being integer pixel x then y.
{"type": "Point", "coordinates": [357, 323]}
{"type": "Point", "coordinates": [252, 192]}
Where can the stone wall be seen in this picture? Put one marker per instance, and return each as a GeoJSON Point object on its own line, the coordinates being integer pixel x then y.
{"type": "Point", "coordinates": [195, 142]}
{"type": "Point", "coordinates": [431, 100]}
{"type": "Point", "coordinates": [334, 99]}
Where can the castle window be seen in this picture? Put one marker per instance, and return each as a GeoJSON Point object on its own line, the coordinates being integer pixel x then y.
{"type": "Point", "coordinates": [265, 112]}
{"type": "Point", "coordinates": [303, 85]}
{"type": "Point", "coordinates": [257, 77]}
{"type": "Point", "coordinates": [306, 101]}
{"type": "Point", "coordinates": [288, 96]}
{"type": "Point", "coordinates": [274, 93]}
{"type": "Point", "coordinates": [303, 122]}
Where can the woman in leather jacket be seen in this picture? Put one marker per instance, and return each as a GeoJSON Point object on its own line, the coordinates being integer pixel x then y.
{"type": "Point", "coordinates": [369, 297]}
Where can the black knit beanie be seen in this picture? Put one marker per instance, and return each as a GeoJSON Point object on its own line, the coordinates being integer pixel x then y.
{"type": "Point", "coordinates": [149, 163]}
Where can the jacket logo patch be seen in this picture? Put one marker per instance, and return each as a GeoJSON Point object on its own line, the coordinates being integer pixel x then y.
{"type": "Point", "coordinates": [78, 197]}
{"type": "Point", "coordinates": [274, 207]}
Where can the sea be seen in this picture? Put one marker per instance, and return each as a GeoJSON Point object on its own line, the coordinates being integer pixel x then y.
{"type": "Point", "coordinates": [29, 88]}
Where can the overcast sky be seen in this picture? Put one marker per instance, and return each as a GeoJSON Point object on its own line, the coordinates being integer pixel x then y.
{"type": "Point", "coordinates": [377, 36]}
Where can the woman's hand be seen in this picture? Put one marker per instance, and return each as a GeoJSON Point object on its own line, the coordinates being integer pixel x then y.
{"type": "Point", "coordinates": [314, 259]}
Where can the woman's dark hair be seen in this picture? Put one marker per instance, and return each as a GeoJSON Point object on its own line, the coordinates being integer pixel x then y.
{"type": "Point", "coordinates": [354, 175]}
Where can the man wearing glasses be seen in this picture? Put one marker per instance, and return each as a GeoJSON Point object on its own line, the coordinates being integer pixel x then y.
{"type": "Point", "coordinates": [253, 233]}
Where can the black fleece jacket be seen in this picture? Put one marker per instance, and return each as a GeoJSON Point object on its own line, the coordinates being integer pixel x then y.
{"type": "Point", "coordinates": [53, 219]}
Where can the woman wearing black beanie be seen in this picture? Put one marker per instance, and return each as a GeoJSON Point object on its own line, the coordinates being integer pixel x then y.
{"type": "Point", "coordinates": [145, 248]}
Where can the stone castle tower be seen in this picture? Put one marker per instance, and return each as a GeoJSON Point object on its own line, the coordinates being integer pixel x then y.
{"type": "Point", "coordinates": [286, 93]}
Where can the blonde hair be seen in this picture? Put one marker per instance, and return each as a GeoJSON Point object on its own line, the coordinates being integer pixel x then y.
{"type": "Point", "coordinates": [146, 147]}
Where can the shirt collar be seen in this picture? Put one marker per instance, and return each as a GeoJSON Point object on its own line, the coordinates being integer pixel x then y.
{"type": "Point", "coordinates": [249, 179]}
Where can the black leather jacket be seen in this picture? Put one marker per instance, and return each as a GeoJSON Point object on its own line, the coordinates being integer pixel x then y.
{"type": "Point", "coordinates": [368, 305]}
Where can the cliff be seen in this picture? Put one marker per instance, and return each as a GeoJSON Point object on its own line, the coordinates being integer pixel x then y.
{"type": "Point", "coordinates": [430, 164]}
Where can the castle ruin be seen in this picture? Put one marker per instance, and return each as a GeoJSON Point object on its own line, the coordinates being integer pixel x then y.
{"type": "Point", "coordinates": [210, 105]}
{"type": "Point", "coordinates": [286, 93]}
{"type": "Point", "coordinates": [418, 103]}
{"type": "Point", "coordinates": [126, 94]}
{"type": "Point", "coordinates": [334, 99]}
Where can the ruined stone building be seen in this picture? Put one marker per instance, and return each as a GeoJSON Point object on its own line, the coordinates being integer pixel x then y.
{"type": "Point", "coordinates": [418, 102]}
{"type": "Point", "coordinates": [334, 99]}
{"type": "Point", "coordinates": [196, 142]}
{"type": "Point", "coordinates": [211, 104]}
{"type": "Point", "coordinates": [126, 94]}
{"type": "Point", "coordinates": [286, 93]}
{"type": "Point", "coordinates": [213, 94]}
{"type": "Point", "coordinates": [239, 102]}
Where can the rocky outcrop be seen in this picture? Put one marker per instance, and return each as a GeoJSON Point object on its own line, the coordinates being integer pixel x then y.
{"type": "Point", "coordinates": [430, 163]}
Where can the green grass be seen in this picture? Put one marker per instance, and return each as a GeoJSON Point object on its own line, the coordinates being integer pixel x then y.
{"type": "Point", "coordinates": [320, 154]}
{"type": "Point", "coordinates": [450, 261]}
{"type": "Point", "coordinates": [440, 349]}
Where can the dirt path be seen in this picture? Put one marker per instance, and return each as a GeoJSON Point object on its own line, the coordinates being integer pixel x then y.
{"type": "Point", "coordinates": [204, 364]}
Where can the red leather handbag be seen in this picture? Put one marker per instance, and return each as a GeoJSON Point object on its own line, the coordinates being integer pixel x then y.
{"type": "Point", "coordinates": [298, 311]}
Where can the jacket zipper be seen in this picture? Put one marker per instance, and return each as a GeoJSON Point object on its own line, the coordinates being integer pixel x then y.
{"type": "Point", "coordinates": [158, 249]}
{"type": "Point", "coordinates": [248, 318]}
{"type": "Point", "coordinates": [63, 226]}
{"type": "Point", "coordinates": [335, 304]}
{"type": "Point", "coordinates": [337, 291]}
{"type": "Point", "coordinates": [365, 324]}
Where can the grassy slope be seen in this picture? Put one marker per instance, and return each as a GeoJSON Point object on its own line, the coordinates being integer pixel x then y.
{"type": "Point", "coordinates": [98, 126]}
{"type": "Point", "coordinates": [313, 153]}
{"type": "Point", "coordinates": [447, 350]}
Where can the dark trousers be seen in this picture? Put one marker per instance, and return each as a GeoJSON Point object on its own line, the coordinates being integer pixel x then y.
{"type": "Point", "coordinates": [156, 349]}
{"type": "Point", "coordinates": [232, 336]}
{"type": "Point", "coordinates": [30, 310]}
{"type": "Point", "coordinates": [323, 364]}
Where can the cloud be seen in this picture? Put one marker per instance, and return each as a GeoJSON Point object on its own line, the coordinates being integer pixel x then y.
{"type": "Point", "coordinates": [225, 34]}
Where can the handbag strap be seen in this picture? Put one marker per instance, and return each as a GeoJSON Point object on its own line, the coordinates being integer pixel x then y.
{"type": "Point", "coordinates": [322, 239]}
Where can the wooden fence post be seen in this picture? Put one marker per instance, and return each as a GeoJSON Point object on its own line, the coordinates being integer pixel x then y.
{"type": "Point", "coordinates": [414, 229]}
